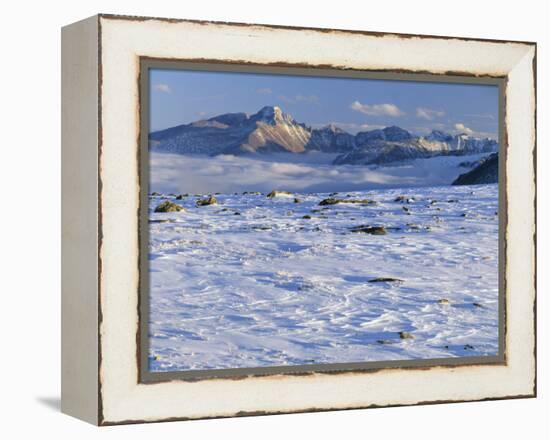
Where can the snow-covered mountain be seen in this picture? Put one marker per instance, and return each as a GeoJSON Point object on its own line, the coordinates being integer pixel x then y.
{"type": "Point", "coordinates": [270, 130]}
{"type": "Point", "coordinates": [331, 139]}
{"type": "Point", "coordinates": [393, 144]}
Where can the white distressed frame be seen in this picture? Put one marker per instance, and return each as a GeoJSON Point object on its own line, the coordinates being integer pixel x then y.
{"type": "Point", "coordinates": [122, 41]}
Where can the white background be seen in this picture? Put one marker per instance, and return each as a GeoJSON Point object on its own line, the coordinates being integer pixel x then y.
{"type": "Point", "coordinates": [30, 217]}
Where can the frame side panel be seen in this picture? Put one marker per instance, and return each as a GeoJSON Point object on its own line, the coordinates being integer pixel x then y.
{"type": "Point", "coordinates": [79, 182]}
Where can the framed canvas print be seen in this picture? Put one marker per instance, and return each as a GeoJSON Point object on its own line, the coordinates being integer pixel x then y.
{"type": "Point", "coordinates": [262, 219]}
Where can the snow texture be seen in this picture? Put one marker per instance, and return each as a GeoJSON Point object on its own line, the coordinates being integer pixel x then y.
{"type": "Point", "coordinates": [253, 282]}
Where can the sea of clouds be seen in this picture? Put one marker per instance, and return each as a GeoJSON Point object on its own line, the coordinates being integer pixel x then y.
{"type": "Point", "coordinates": [175, 173]}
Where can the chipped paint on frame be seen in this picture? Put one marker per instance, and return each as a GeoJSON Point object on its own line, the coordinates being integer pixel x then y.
{"type": "Point", "coordinates": [115, 415]}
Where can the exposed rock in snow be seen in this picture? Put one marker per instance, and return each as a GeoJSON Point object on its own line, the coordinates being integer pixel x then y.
{"type": "Point", "coordinates": [276, 193]}
{"type": "Point", "coordinates": [168, 206]}
{"type": "Point", "coordinates": [211, 200]}
{"type": "Point", "coordinates": [266, 288]}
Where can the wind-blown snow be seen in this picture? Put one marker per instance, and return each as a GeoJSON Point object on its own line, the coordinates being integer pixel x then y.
{"type": "Point", "coordinates": [267, 287]}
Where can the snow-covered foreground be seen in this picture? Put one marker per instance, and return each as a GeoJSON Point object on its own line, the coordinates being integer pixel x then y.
{"type": "Point", "coordinates": [250, 282]}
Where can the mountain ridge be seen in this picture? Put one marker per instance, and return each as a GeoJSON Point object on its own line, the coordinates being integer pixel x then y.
{"type": "Point", "coordinates": [485, 171]}
{"type": "Point", "coordinates": [270, 130]}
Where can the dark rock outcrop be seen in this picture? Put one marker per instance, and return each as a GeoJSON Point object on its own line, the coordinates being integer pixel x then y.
{"type": "Point", "coordinates": [211, 200]}
{"type": "Point", "coordinates": [277, 193]}
{"type": "Point", "coordinates": [367, 229]}
{"type": "Point", "coordinates": [485, 172]}
{"type": "Point", "coordinates": [385, 280]}
{"type": "Point", "coordinates": [168, 206]}
{"type": "Point", "coordinates": [334, 201]}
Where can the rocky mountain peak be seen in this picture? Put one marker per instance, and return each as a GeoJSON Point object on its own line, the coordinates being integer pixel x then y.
{"type": "Point", "coordinates": [440, 136]}
{"type": "Point", "coordinates": [396, 134]}
{"type": "Point", "coordinates": [272, 115]}
{"type": "Point", "coordinates": [333, 128]}
{"type": "Point", "coordinates": [230, 119]}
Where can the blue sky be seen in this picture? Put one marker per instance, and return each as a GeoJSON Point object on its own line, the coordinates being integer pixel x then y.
{"type": "Point", "coordinates": [180, 96]}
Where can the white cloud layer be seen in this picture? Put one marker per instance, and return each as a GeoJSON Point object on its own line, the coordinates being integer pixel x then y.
{"type": "Point", "coordinates": [173, 173]}
{"type": "Point", "coordinates": [481, 116]}
{"type": "Point", "coordinates": [164, 88]}
{"type": "Point", "coordinates": [428, 114]}
{"type": "Point", "coordinates": [460, 127]}
{"type": "Point", "coordinates": [377, 109]}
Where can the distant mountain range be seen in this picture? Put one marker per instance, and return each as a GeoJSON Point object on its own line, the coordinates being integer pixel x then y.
{"type": "Point", "coordinates": [272, 131]}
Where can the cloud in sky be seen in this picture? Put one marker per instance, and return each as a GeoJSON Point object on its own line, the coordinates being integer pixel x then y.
{"type": "Point", "coordinates": [481, 116]}
{"type": "Point", "coordinates": [377, 109]}
{"type": "Point", "coordinates": [264, 91]}
{"type": "Point", "coordinates": [460, 127]}
{"type": "Point", "coordinates": [305, 99]}
{"type": "Point", "coordinates": [177, 96]}
{"type": "Point", "coordinates": [428, 114]}
{"type": "Point", "coordinates": [164, 88]}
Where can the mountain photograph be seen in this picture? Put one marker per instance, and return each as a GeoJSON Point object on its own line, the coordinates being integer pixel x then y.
{"type": "Point", "coordinates": [302, 220]}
